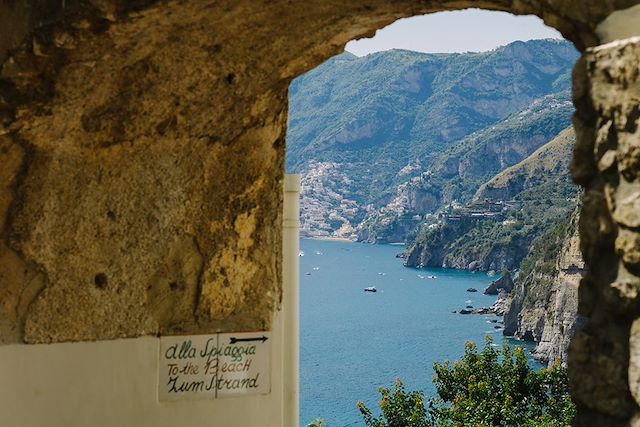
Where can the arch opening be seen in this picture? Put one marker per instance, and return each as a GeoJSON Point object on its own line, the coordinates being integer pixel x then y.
{"type": "Point", "coordinates": [329, 135]}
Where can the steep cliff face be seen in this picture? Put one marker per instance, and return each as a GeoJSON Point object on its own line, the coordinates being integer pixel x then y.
{"type": "Point", "coordinates": [562, 318]}
{"type": "Point", "coordinates": [459, 169]}
{"type": "Point", "coordinates": [503, 284]}
{"type": "Point", "coordinates": [433, 255]}
{"type": "Point", "coordinates": [544, 301]}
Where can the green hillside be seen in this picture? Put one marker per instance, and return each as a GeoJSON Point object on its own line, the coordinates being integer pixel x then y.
{"type": "Point", "coordinates": [537, 194]}
{"type": "Point", "coordinates": [532, 171]}
{"type": "Point", "coordinates": [394, 120]}
{"type": "Point", "coordinates": [458, 171]}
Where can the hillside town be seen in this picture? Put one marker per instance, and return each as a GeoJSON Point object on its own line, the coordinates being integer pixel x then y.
{"type": "Point", "coordinates": [325, 207]}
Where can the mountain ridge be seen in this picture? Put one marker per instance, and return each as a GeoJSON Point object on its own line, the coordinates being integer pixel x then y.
{"type": "Point", "coordinates": [379, 116]}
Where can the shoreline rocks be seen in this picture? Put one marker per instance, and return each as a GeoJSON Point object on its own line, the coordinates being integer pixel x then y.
{"type": "Point", "coordinates": [480, 310]}
{"type": "Point", "coordinates": [498, 308]}
{"type": "Point", "coordinates": [504, 283]}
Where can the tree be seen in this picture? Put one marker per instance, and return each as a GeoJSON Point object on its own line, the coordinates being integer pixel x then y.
{"type": "Point", "coordinates": [490, 388]}
{"type": "Point", "coordinates": [399, 408]}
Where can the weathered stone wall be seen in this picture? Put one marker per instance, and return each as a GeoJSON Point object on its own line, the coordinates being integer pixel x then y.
{"type": "Point", "coordinates": [606, 163]}
{"type": "Point", "coordinates": [143, 193]}
{"type": "Point", "coordinates": [142, 148]}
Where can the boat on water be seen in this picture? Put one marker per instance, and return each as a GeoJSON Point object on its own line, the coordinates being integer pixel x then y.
{"type": "Point", "coordinates": [370, 289]}
{"type": "Point", "coordinates": [301, 253]}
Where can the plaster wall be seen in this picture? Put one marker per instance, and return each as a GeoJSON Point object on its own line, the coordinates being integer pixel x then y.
{"type": "Point", "coordinates": [114, 384]}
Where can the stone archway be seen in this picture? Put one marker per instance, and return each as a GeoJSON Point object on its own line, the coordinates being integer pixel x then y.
{"type": "Point", "coordinates": [142, 151]}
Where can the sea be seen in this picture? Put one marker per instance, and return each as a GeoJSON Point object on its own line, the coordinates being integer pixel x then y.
{"type": "Point", "coordinates": [352, 341]}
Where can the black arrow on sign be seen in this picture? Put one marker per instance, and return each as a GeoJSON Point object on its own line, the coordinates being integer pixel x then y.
{"type": "Point", "coordinates": [233, 340]}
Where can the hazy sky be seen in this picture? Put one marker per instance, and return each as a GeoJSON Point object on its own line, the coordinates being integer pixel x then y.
{"type": "Point", "coordinates": [471, 30]}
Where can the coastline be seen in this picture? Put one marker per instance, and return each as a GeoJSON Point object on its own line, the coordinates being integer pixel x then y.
{"type": "Point", "coordinates": [330, 239]}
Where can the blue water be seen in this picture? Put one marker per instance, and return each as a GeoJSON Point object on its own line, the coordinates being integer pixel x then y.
{"type": "Point", "coordinates": [352, 342]}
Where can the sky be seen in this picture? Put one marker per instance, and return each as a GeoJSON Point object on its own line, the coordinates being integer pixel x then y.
{"type": "Point", "coordinates": [471, 30]}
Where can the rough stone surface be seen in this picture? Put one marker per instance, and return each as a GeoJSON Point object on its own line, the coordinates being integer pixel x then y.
{"type": "Point", "coordinates": [606, 93]}
{"type": "Point", "coordinates": [634, 360]}
{"type": "Point", "coordinates": [144, 147]}
{"type": "Point", "coordinates": [151, 196]}
{"type": "Point", "coordinates": [20, 281]}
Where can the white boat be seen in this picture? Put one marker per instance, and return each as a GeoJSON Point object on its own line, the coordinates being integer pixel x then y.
{"type": "Point", "coordinates": [301, 253]}
{"type": "Point", "coordinates": [370, 289]}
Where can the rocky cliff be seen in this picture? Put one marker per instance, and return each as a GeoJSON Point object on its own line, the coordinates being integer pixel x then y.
{"type": "Point", "coordinates": [528, 198]}
{"type": "Point", "coordinates": [503, 284]}
{"type": "Point", "coordinates": [468, 244]}
{"type": "Point", "coordinates": [544, 301]}
{"type": "Point", "coordinates": [398, 220]}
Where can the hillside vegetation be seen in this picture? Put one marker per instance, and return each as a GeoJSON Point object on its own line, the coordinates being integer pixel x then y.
{"type": "Point", "coordinates": [411, 131]}
{"type": "Point", "coordinates": [543, 195]}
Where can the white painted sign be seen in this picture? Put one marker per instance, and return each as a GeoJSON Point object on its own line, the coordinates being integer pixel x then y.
{"type": "Point", "coordinates": [214, 366]}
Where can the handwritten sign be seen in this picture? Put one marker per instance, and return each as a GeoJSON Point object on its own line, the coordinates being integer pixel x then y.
{"type": "Point", "coordinates": [214, 366]}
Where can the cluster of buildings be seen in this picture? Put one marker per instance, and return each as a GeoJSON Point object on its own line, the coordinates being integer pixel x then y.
{"type": "Point", "coordinates": [322, 208]}
{"type": "Point", "coordinates": [495, 210]}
